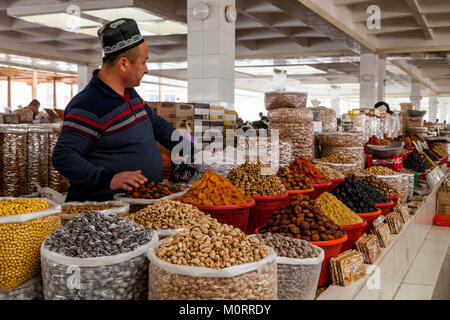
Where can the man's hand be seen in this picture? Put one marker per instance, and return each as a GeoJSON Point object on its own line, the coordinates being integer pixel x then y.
{"type": "Point", "coordinates": [127, 180]}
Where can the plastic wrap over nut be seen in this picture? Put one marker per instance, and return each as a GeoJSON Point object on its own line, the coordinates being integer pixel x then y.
{"type": "Point", "coordinates": [13, 160]}
{"type": "Point", "coordinates": [29, 290]}
{"type": "Point", "coordinates": [251, 281]}
{"type": "Point", "coordinates": [341, 139]}
{"type": "Point", "coordinates": [290, 115]}
{"type": "Point", "coordinates": [37, 157]}
{"type": "Point", "coordinates": [301, 134]}
{"type": "Point", "coordinates": [56, 180]}
{"type": "Point", "coordinates": [355, 154]}
{"type": "Point", "coordinates": [327, 117]}
{"type": "Point", "coordinates": [27, 231]}
{"type": "Point", "coordinates": [273, 100]}
{"type": "Point", "coordinates": [120, 277]}
{"type": "Point", "coordinates": [346, 168]}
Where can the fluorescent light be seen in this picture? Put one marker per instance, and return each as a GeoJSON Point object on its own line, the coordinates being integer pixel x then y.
{"type": "Point", "coordinates": [164, 27]}
{"type": "Point", "coordinates": [62, 21]}
{"type": "Point", "coordinates": [291, 70]}
{"type": "Point", "coordinates": [167, 65]}
{"type": "Point", "coordinates": [44, 62]}
{"type": "Point", "coordinates": [132, 13]}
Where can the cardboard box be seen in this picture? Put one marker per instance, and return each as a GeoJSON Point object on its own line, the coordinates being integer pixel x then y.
{"type": "Point", "coordinates": [216, 113]}
{"type": "Point", "coordinates": [167, 110]}
{"type": "Point", "coordinates": [184, 111]}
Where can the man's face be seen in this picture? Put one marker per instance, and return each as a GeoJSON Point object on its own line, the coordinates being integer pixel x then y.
{"type": "Point", "coordinates": [138, 69]}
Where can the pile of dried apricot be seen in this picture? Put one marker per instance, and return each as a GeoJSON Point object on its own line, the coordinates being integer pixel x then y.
{"type": "Point", "coordinates": [214, 190]}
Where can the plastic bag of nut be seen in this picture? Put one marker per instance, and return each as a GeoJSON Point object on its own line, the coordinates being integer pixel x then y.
{"type": "Point", "coordinates": [29, 290]}
{"type": "Point", "coordinates": [355, 154]}
{"type": "Point", "coordinates": [290, 115]}
{"type": "Point", "coordinates": [120, 208]}
{"type": "Point", "coordinates": [250, 281]}
{"type": "Point", "coordinates": [25, 233]}
{"type": "Point", "coordinates": [56, 180]}
{"type": "Point", "coordinates": [301, 134]}
{"type": "Point", "coordinates": [118, 277]}
{"type": "Point", "coordinates": [273, 100]}
{"type": "Point", "coordinates": [346, 168]}
{"type": "Point", "coordinates": [37, 156]}
{"type": "Point", "coordinates": [341, 139]}
{"type": "Point", "coordinates": [13, 160]}
{"type": "Point", "coordinates": [327, 117]}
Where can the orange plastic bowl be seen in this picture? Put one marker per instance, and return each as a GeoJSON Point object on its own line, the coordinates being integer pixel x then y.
{"type": "Point", "coordinates": [335, 183]}
{"type": "Point", "coordinates": [385, 207]}
{"type": "Point", "coordinates": [369, 217]}
{"type": "Point", "coordinates": [394, 199]}
{"type": "Point", "coordinates": [353, 231]}
{"type": "Point", "coordinates": [263, 209]}
{"type": "Point", "coordinates": [319, 189]}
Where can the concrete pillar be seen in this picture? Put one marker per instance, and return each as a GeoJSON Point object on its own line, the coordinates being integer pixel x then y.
{"type": "Point", "coordinates": [443, 110]}
{"type": "Point", "coordinates": [85, 75]}
{"type": "Point", "coordinates": [9, 92]}
{"type": "Point", "coordinates": [211, 53]}
{"type": "Point", "coordinates": [415, 93]}
{"type": "Point", "coordinates": [54, 93]}
{"type": "Point", "coordinates": [369, 75]}
{"type": "Point", "coordinates": [381, 78]}
{"type": "Point", "coordinates": [335, 99]}
{"type": "Point", "coordinates": [432, 108]}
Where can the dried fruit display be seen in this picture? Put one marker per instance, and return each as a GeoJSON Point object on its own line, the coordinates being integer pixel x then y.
{"type": "Point", "coordinates": [153, 190]}
{"type": "Point", "coordinates": [214, 190]}
{"type": "Point", "coordinates": [293, 180]}
{"type": "Point", "coordinates": [304, 166]}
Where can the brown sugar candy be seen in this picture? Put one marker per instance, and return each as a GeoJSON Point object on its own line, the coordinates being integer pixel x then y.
{"type": "Point", "coordinates": [214, 190]}
{"type": "Point", "coordinates": [307, 168]}
{"type": "Point", "coordinates": [302, 218]}
{"type": "Point", "coordinates": [153, 190]}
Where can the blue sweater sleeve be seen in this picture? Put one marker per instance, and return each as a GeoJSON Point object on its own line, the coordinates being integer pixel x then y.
{"type": "Point", "coordinates": [76, 139]}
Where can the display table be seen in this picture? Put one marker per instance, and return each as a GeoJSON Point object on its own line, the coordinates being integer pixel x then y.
{"type": "Point", "coordinates": [385, 276]}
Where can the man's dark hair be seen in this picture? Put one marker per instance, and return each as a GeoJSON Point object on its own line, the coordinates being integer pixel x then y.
{"type": "Point", "coordinates": [131, 55]}
{"type": "Point", "coordinates": [35, 103]}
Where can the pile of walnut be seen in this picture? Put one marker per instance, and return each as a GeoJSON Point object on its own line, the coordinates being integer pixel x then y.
{"type": "Point", "coordinates": [211, 244]}
{"type": "Point", "coordinates": [302, 219]}
{"type": "Point", "coordinates": [153, 191]}
{"type": "Point", "coordinates": [256, 180]}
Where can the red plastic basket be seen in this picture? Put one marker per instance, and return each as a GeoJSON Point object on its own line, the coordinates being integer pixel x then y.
{"type": "Point", "coordinates": [335, 183]}
{"type": "Point", "coordinates": [319, 189]}
{"type": "Point", "coordinates": [332, 248]}
{"type": "Point", "coordinates": [394, 163]}
{"type": "Point", "coordinates": [235, 215]}
{"type": "Point", "coordinates": [442, 220]}
{"type": "Point", "coordinates": [369, 217]}
{"type": "Point", "coordinates": [263, 210]}
{"type": "Point", "coordinates": [443, 160]}
{"type": "Point", "coordinates": [353, 231]}
{"type": "Point", "coordinates": [385, 207]}
{"type": "Point", "coordinates": [394, 199]}
{"type": "Point", "coordinates": [293, 193]}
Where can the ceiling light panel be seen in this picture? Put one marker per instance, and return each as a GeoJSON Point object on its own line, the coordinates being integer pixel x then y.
{"type": "Point", "coordinates": [131, 13]}
{"type": "Point", "coordinates": [291, 70]}
{"type": "Point", "coordinates": [62, 21]}
{"type": "Point", "coordinates": [163, 27]}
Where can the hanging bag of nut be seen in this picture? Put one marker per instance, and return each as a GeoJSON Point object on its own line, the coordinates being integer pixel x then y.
{"type": "Point", "coordinates": [212, 261]}
{"type": "Point", "coordinates": [24, 224]}
{"type": "Point", "coordinates": [97, 257]}
{"type": "Point", "coordinates": [298, 264]}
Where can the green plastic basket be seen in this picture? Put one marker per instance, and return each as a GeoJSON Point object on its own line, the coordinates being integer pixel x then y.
{"type": "Point", "coordinates": [416, 178]}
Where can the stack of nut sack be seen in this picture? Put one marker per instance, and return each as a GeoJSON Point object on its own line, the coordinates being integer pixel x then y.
{"type": "Point", "coordinates": [288, 115]}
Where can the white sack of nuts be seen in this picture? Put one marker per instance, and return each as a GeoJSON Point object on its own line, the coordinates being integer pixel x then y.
{"type": "Point", "coordinates": [212, 261]}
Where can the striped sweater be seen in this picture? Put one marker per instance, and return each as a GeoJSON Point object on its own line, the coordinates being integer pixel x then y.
{"type": "Point", "coordinates": [105, 133]}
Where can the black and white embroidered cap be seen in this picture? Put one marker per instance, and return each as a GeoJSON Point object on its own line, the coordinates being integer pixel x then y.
{"type": "Point", "coordinates": [119, 36]}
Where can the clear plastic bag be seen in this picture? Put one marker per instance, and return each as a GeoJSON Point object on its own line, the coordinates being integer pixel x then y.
{"type": "Point", "coordinates": [37, 157]}
{"type": "Point", "coordinates": [346, 168]}
{"type": "Point", "coordinates": [355, 154]}
{"type": "Point", "coordinates": [13, 160]}
{"type": "Point", "coordinates": [327, 117]}
{"type": "Point", "coordinates": [251, 281]}
{"type": "Point", "coordinates": [301, 134]}
{"type": "Point", "coordinates": [56, 180]}
{"type": "Point", "coordinates": [29, 290]}
{"type": "Point", "coordinates": [273, 100]}
{"type": "Point", "coordinates": [341, 139]}
{"type": "Point", "coordinates": [119, 277]}
{"type": "Point", "coordinates": [25, 233]}
{"type": "Point", "coordinates": [290, 115]}
{"type": "Point", "coordinates": [121, 208]}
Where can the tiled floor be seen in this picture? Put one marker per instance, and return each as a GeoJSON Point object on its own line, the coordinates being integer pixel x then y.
{"type": "Point", "coordinates": [429, 275]}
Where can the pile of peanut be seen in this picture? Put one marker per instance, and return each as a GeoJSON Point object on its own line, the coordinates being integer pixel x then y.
{"type": "Point", "coordinates": [168, 214]}
{"type": "Point", "coordinates": [330, 172]}
{"type": "Point", "coordinates": [256, 179]}
{"type": "Point", "coordinates": [211, 244]}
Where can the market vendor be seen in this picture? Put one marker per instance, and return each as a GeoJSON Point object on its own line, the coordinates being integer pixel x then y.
{"type": "Point", "coordinates": [108, 139]}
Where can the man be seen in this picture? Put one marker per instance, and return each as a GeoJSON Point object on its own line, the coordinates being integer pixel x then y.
{"type": "Point", "coordinates": [260, 115]}
{"type": "Point", "coordinates": [108, 139]}
{"type": "Point", "coordinates": [34, 106]}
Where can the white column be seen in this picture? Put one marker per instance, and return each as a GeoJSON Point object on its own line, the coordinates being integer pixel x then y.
{"type": "Point", "coordinates": [432, 108]}
{"type": "Point", "coordinates": [335, 94]}
{"type": "Point", "coordinates": [381, 78]}
{"type": "Point", "coordinates": [443, 110]}
{"type": "Point", "coordinates": [415, 93]}
{"type": "Point", "coordinates": [34, 85]}
{"type": "Point", "coordinates": [369, 74]}
{"type": "Point", "coordinates": [211, 53]}
{"type": "Point", "coordinates": [85, 75]}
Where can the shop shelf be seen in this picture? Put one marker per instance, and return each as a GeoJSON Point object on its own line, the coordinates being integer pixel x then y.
{"type": "Point", "coordinates": [263, 209]}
